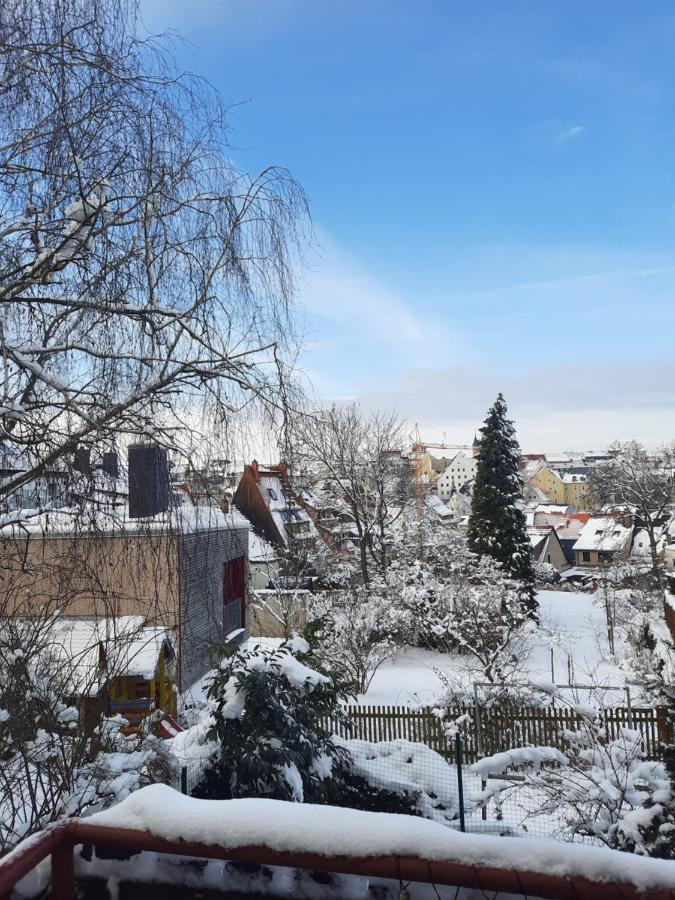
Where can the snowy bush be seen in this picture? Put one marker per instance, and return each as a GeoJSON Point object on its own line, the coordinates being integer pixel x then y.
{"type": "Point", "coordinates": [123, 763]}
{"type": "Point", "coordinates": [456, 602]}
{"type": "Point", "coordinates": [56, 761]}
{"type": "Point", "coordinates": [599, 787]}
{"type": "Point", "coordinates": [267, 709]}
{"type": "Point", "coordinates": [270, 725]}
{"type": "Point", "coordinates": [353, 631]}
{"type": "Point", "coordinates": [545, 573]}
{"type": "Point", "coordinates": [410, 770]}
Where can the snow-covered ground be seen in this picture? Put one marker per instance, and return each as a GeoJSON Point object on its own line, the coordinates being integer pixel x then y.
{"type": "Point", "coordinates": [572, 624]}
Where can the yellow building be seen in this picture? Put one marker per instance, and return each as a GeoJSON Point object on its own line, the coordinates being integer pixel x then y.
{"type": "Point", "coordinates": [569, 487]}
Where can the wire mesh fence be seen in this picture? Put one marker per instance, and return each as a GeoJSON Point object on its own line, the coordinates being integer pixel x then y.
{"type": "Point", "coordinates": [432, 757]}
{"type": "Point", "coordinates": [420, 762]}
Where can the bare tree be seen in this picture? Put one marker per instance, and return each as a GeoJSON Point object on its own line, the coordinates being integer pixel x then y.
{"type": "Point", "coordinates": [359, 457]}
{"type": "Point", "coordinates": [140, 273]}
{"type": "Point", "coordinates": [142, 279]}
{"type": "Point", "coordinates": [353, 631]}
{"type": "Point", "coordinates": [643, 482]}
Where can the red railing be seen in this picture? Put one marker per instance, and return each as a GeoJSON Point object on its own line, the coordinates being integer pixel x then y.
{"type": "Point", "coordinates": [60, 840]}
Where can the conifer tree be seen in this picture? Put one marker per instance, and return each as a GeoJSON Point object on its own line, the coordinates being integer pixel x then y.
{"type": "Point", "coordinates": [497, 521]}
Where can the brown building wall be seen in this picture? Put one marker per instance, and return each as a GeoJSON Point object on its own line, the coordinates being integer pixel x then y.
{"type": "Point", "coordinates": [91, 575]}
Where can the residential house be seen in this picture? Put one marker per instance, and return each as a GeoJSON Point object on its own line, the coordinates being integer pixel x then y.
{"type": "Point", "coordinates": [334, 524]}
{"type": "Point", "coordinates": [265, 497]}
{"type": "Point", "coordinates": [437, 510]}
{"type": "Point", "coordinates": [51, 489]}
{"type": "Point", "coordinates": [211, 485]}
{"type": "Point", "coordinates": [602, 540]}
{"type": "Point", "coordinates": [118, 666]}
{"type": "Point", "coordinates": [184, 569]}
{"type": "Point", "coordinates": [459, 471]}
{"type": "Point", "coordinates": [567, 486]}
{"type": "Point", "coordinates": [546, 546]}
{"type": "Point", "coordinates": [567, 525]}
{"type": "Point", "coordinates": [263, 562]}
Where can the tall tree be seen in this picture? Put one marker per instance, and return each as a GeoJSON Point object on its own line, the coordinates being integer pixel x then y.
{"type": "Point", "coordinates": [141, 275]}
{"type": "Point", "coordinates": [497, 521]}
{"type": "Point", "coordinates": [637, 480]}
{"type": "Point", "coordinates": [358, 455]}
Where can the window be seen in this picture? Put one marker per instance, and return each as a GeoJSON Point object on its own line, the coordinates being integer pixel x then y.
{"type": "Point", "coordinates": [234, 594]}
{"type": "Point", "coordinates": [272, 494]}
{"type": "Point", "coordinates": [586, 555]}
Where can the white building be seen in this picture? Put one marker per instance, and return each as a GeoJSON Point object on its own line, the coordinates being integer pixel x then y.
{"type": "Point", "coordinates": [460, 470]}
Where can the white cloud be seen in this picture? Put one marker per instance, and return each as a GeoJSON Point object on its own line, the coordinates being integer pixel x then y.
{"type": "Point", "coordinates": [555, 407]}
{"type": "Point", "coordinates": [358, 323]}
{"type": "Point", "coordinates": [570, 134]}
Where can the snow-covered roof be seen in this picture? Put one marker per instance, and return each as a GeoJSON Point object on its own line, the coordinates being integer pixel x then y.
{"type": "Point", "coordinates": [260, 550]}
{"type": "Point", "coordinates": [554, 508]}
{"type": "Point", "coordinates": [538, 533]}
{"type": "Point", "coordinates": [568, 527]}
{"type": "Point", "coordinates": [112, 519]}
{"type": "Point", "coordinates": [434, 503]}
{"type": "Point", "coordinates": [130, 647]}
{"type": "Point", "coordinates": [571, 477]}
{"type": "Point", "coordinates": [530, 468]}
{"type": "Point", "coordinates": [603, 534]}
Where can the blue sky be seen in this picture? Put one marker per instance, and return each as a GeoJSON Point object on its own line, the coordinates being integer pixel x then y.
{"type": "Point", "coordinates": [493, 189]}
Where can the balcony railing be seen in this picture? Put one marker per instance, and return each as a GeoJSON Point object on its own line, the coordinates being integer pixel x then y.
{"type": "Point", "coordinates": [59, 841]}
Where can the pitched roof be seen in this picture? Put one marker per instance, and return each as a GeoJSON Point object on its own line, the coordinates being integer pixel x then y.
{"type": "Point", "coordinates": [603, 534]}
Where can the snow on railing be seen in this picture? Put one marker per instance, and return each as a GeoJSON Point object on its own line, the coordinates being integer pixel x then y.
{"type": "Point", "coordinates": [305, 836]}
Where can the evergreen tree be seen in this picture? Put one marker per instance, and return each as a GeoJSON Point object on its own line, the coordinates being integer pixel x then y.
{"type": "Point", "coordinates": [270, 715]}
{"type": "Point", "coordinates": [497, 521]}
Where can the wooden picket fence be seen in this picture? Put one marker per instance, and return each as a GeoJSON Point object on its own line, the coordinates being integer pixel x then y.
{"type": "Point", "coordinates": [488, 730]}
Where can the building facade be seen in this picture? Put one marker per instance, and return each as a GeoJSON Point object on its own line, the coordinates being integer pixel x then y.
{"type": "Point", "coordinates": [459, 471]}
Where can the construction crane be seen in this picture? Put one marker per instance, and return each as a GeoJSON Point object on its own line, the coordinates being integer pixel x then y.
{"type": "Point", "coordinates": [418, 449]}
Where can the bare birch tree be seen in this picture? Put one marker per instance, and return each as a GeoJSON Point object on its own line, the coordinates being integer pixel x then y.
{"type": "Point", "coordinates": [140, 272]}
{"type": "Point", "coordinates": [142, 279]}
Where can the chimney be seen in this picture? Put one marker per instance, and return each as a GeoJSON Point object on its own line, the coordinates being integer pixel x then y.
{"type": "Point", "coordinates": [148, 480]}
{"type": "Point", "coordinates": [82, 460]}
{"type": "Point", "coordinates": [110, 464]}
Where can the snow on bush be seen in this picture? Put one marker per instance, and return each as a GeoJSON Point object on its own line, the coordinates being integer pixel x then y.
{"type": "Point", "coordinates": [55, 761]}
{"type": "Point", "coordinates": [598, 786]}
{"type": "Point", "coordinates": [408, 768]}
{"type": "Point", "coordinates": [354, 631]}
{"type": "Point", "coordinates": [267, 732]}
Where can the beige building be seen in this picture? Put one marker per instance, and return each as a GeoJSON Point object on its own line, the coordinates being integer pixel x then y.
{"type": "Point", "coordinates": [546, 546]}
{"type": "Point", "coordinates": [187, 572]}
{"type": "Point", "coordinates": [559, 486]}
{"type": "Point", "coordinates": [602, 540]}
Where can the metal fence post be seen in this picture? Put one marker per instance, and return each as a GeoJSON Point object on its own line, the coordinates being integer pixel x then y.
{"type": "Point", "coordinates": [460, 782]}
{"type": "Point", "coordinates": [183, 780]}
{"type": "Point", "coordinates": [479, 724]}
{"type": "Point", "coordinates": [479, 740]}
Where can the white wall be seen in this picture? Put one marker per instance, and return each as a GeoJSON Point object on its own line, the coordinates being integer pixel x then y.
{"type": "Point", "coordinates": [458, 472]}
